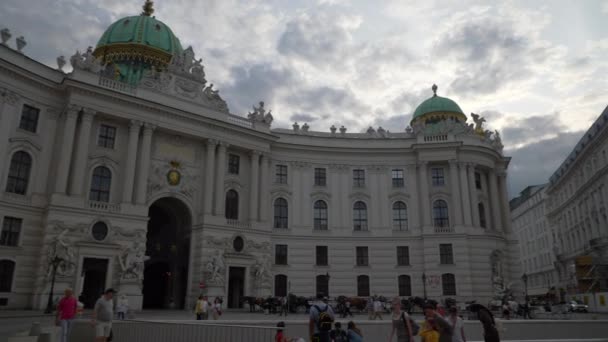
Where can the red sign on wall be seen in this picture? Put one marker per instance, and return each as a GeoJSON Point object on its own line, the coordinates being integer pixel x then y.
{"type": "Point", "coordinates": [201, 285]}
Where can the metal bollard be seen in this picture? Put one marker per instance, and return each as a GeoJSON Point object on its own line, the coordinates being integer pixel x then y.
{"type": "Point", "coordinates": [35, 329]}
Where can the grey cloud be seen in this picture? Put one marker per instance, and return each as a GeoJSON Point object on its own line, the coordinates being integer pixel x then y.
{"type": "Point", "coordinates": [532, 127]}
{"type": "Point", "coordinates": [301, 117]}
{"type": "Point", "coordinates": [407, 102]}
{"type": "Point", "coordinates": [534, 163]}
{"type": "Point", "coordinates": [395, 123]}
{"type": "Point", "coordinates": [324, 100]}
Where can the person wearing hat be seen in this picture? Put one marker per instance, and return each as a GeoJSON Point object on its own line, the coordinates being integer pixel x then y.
{"type": "Point", "coordinates": [102, 316]}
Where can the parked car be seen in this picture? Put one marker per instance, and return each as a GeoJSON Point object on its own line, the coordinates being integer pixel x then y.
{"type": "Point", "coordinates": [576, 306]}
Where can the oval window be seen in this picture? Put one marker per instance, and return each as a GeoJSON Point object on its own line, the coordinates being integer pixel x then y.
{"type": "Point", "coordinates": [238, 244]}
{"type": "Point", "coordinates": [99, 231]}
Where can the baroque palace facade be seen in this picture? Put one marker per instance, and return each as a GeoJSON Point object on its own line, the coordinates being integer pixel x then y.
{"type": "Point", "coordinates": [130, 172]}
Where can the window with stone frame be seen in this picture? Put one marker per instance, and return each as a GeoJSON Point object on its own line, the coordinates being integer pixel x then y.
{"type": "Point", "coordinates": [19, 173]}
{"type": "Point", "coordinates": [320, 215]}
{"type": "Point", "coordinates": [359, 216]}
{"type": "Point", "coordinates": [322, 284]}
{"type": "Point", "coordinates": [100, 184]}
{"type": "Point", "coordinates": [446, 255]}
{"type": "Point", "coordinates": [107, 136]}
{"type": "Point", "coordinates": [448, 284]}
{"type": "Point", "coordinates": [405, 285]}
{"type": "Point", "coordinates": [231, 209]}
{"type": "Point", "coordinates": [322, 258]}
{"type": "Point", "coordinates": [280, 213]}
{"type": "Point", "coordinates": [280, 254]}
{"type": "Point", "coordinates": [362, 256]}
{"type": "Point", "coordinates": [363, 286]}
{"type": "Point", "coordinates": [280, 285]}
{"type": "Point", "coordinates": [398, 179]}
{"type": "Point", "coordinates": [440, 214]}
{"type": "Point", "coordinates": [478, 180]}
{"type": "Point", "coordinates": [29, 118]}
{"type": "Point", "coordinates": [7, 270]}
{"type": "Point", "coordinates": [11, 228]}
{"type": "Point", "coordinates": [403, 255]}
{"type": "Point", "coordinates": [234, 162]}
{"type": "Point", "coordinates": [359, 178]}
{"type": "Point", "coordinates": [280, 174]}
{"type": "Point", "coordinates": [399, 216]}
{"type": "Point", "coordinates": [482, 215]}
{"type": "Point", "coordinates": [320, 176]}
{"type": "Point", "coordinates": [437, 176]}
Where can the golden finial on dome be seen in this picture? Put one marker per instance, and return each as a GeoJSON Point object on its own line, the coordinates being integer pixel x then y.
{"type": "Point", "coordinates": [148, 8]}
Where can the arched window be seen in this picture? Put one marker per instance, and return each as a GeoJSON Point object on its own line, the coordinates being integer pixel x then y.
{"type": "Point", "coordinates": [322, 284]}
{"type": "Point", "coordinates": [440, 214]}
{"type": "Point", "coordinates": [363, 286]}
{"type": "Point", "coordinates": [280, 213]}
{"type": "Point", "coordinates": [100, 184]}
{"type": "Point", "coordinates": [405, 285]}
{"type": "Point", "coordinates": [320, 215]}
{"type": "Point", "coordinates": [482, 215]}
{"type": "Point", "coordinates": [399, 216]}
{"type": "Point", "coordinates": [19, 173]}
{"type": "Point", "coordinates": [232, 205]}
{"type": "Point", "coordinates": [448, 283]}
{"type": "Point", "coordinates": [360, 216]}
{"type": "Point", "coordinates": [280, 285]}
{"type": "Point", "coordinates": [7, 269]}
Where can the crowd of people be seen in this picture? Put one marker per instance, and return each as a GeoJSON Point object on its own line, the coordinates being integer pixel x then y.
{"type": "Point", "coordinates": [204, 307]}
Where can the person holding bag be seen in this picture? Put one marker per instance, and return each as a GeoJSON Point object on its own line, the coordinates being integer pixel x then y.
{"type": "Point", "coordinates": [402, 323]}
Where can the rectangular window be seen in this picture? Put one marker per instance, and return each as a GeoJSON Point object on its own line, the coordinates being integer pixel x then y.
{"type": "Point", "coordinates": [358, 178]}
{"type": "Point", "coordinates": [11, 227]}
{"type": "Point", "coordinates": [320, 177]}
{"type": "Point", "coordinates": [233, 164]}
{"type": "Point", "coordinates": [446, 257]}
{"type": "Point", "coordinates": [107, 135]}
{"type": "Point", "coordinates": [281, 174]}
{"type": "Point", "coordinates": [29, 118]}
{"type": "Point", "coordinates": [437, 176]}
{"type": "Point", "coordinates": [405, 285]}
{"type": "Point", "coordinates": [280, 254]}
{"type": "Point", "coordinates": [398, 181]}
{"type": "Point", "coordinates": [478, 180]}
{"type": "Point", "coordinates": [362, 256]}
{"type": "Point", "coordinates": [322, 259]}
{"type": "Point", "coordinates": [403, 255]}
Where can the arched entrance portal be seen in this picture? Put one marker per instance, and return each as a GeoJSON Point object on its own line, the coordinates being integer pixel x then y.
{"type": "Point", "coordinates": [168, 246]}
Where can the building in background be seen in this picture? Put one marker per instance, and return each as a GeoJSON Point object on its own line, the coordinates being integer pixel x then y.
{"type": "Point", "coordinates": [535, 237]}
{"type": "Point", "coordinates": [130, 172]}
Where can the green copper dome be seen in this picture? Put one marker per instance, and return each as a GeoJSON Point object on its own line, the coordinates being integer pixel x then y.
{"type": "Point", "coordinates": [133, 45]}
{"type": "Point", "coordinates": [438, 106]}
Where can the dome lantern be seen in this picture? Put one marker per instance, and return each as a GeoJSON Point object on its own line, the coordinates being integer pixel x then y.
{"type": "Point", "coordinates": [437, 108]}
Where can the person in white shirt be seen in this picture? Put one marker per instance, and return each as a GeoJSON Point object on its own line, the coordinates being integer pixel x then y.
{"type": "Point", "coordinates": [378, 307]}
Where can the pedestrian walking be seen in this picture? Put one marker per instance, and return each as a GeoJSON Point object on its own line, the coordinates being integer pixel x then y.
{"type": "Point", "coordinates": [198, 309]}
{"type": "Point", "coordinates": [347, 309]}
{"type": "Point", "coordinates": [402, 324]}
{"type": "Point", "coordinates": [102, 316]}
{"type": "Point", "coordinates": [370, 308]}
{"type": "Point", "coordinates": [378, 308]}
{"type": "Point", "coordinates": [217, 308]}
{"type": "Point", "coordinates": [205, 308]}
{"type": "Point", "coordinates": [66, 311]}
{"type": "Point", "coordinates": [438, 323]}
{"type": "Point", "coordinates": [320, 320]}
{"type": "Point", "coordinates": [283, 304]}
{"type": "Point", "coordinates": [490, 333]}
{"type": "Point", "coordinates": [457, 325]}
{"type": "Point", "coordinates": [280, 336]}
{"type": "Point", "coordinates": [122, 307]}
{"type": "Point", "coordinates": [353, 333]}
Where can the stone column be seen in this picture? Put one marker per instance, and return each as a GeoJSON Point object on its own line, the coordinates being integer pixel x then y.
{"type": "Point", "coordinates": [413, 210]}
{"type": "Point", "coordinates": [265, 188]}
{"type": "Point", "coordinates": [144, 164]}
{"type": "Point", "coordinates": [456, 203]}
{"type": "Point", "coordinates": [9, 106]}
{"type": "Point", "coordinates": [601, 222]}
{"type": "Point", "coordinates": [254, 185]}
{"type": "Point", "coordinates": [495, 201]}
{"type": "Point", "coordinates": [67, 143]}
{"type": "Point", "coordinates": [220, 172]}
{"type": "Point", "coordinates": [50, 127]}
{"type": "Point", "coordinates": [79, 168]}
{"type": "Point", "coordinates": [474, 198]}
{"type": "Point", "coordinates": [504, 201]}
{"type": "Point", "coordinates": [466, 202]}
{"type": "Point", "coordinates": [209, 164]}
{"type": "Point", "coordinates": [130, 163]}
{"type": "Point", "coordinates": [424, 193]}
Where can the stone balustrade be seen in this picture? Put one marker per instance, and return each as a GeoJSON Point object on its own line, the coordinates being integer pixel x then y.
{"type": "Point", "coordinates": [103, 206]}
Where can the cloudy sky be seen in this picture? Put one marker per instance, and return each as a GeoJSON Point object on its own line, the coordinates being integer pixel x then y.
{"type": "Point", "coordinates": [535, 69]}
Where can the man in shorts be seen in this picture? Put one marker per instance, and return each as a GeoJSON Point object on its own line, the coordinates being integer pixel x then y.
{"type": "Point", "coordinates": [102, 316]}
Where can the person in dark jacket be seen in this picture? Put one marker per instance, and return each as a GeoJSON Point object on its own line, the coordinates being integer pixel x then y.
{"type": "Point", "coordinates": [490, 333]}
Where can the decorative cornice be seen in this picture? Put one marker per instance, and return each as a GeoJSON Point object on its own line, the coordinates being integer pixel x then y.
{"type": "Point", "coordinates": [211, 143]}
{"type": "Point", "coordinates": [149, 127]}
{"type": "Point", "coordinates": [300, 164]}
{"type": "Point", "coordinates": [135, 125]}
{"type": "Point", "coordinates": [9, 97]}
{"type": "Point", "coordinates": [360, 195]}
{"type": "Point", "coordinates": [25, 141]}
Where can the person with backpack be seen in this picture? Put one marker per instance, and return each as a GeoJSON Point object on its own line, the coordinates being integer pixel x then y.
{"type": "Point", "coordinates": [403, 325]}
{"type": "Point", "coordinates": [338, 335]}
{"type": "Point", "coordinates": [321, 320]}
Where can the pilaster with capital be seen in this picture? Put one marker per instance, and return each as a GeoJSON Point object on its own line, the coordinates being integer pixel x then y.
{"type": "Point", "coordinates": [412, 189]}
{"type": "Point", "coordinates": [474, 202]}
{"type": "Point", "coordinates": [424, 193]}
{"type": "Point", "coordinates": [456, 201]}
{"type": "Point", "coordinates": [49, 122]}
{"type": "Point", "coordinates": [9, 103]}
{"type": "Point", "coordinates": [79, 166]}
{"type": "Point", "coordinates": [254, 185]}
{"type": "Point", "coordinates": [210, 146]}
{"type": "Point", "coordinates": [67, 143]}
{"type": "Point", "coordinates": [265, 188]}
{"type": "Point", "coordinates": [220, 173]}
{"type": "Point", "coordinates": [144, 164]}
{"type": "Point", "coordinates": [495, 200]}
{"type": "Point", "coordinates": [464, 194]}
{"type": "Point", "coordinates": [504, 201]}
{"type": "Point", "coordinates": [130, 162]}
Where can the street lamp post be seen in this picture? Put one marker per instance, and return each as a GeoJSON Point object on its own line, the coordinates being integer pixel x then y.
{"type": "Point", "coordinates": [525, 279]}
{"type": "Point", "coordinates": [424, 284]}
{"type": "Point", "coordinates": [327, 277]}
{"type": "Point", "coordinates": [54, 264]}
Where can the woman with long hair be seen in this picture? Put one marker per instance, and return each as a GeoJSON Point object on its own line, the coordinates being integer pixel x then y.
{"type": "Point", "coordinates": [353, 333]}
{"type": "Point", "coordinates": [401, 323]}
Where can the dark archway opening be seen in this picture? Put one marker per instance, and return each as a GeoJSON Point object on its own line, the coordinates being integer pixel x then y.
{"type": "Point", "coordinates": [168, 246]}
